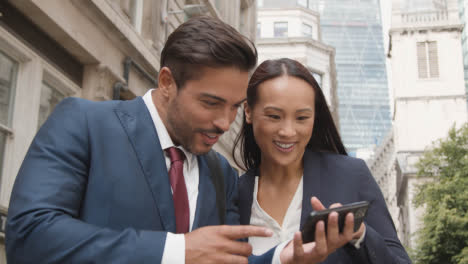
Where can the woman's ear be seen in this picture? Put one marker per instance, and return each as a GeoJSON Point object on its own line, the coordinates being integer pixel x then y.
{"type": "Point", "coordinates": [166, 83]}
{"type": "Point", "coordinates": [248, 113]}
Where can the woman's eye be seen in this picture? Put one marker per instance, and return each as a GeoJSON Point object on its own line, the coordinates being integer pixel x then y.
{"type": "Point", "coordinates": [301, 118]}
{"type": "Point", "coordinates": [274, 116]}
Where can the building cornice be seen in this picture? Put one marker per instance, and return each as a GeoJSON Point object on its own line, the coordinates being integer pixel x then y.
{"type": "Point", "coordinates": [294, 41]}
{"type": "Point", "coordinates": [296, 8]}
{"type": "Point", "coordinates": [434, 28]}
{"type": "Point", "coordinates": [430, 98]}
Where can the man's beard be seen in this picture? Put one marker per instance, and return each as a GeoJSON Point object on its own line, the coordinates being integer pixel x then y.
{"type": "Point", "coordinates": [183, 132]}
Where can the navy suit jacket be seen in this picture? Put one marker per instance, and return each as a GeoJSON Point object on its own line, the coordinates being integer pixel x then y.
{"type": "Point", "coordinates": [334, 178]}
{"type": "Point", "coordinates": [94, 188]}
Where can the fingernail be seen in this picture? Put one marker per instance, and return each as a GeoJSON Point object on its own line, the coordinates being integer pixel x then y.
{"type": "Point", "coordinates": [268, 232]}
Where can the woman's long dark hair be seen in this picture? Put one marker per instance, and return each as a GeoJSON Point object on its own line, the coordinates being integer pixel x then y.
{"type": "Point", "coordinates": [325, 136]}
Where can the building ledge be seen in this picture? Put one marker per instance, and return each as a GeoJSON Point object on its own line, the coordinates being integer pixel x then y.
{"type": "Point", "coordinates": [431, 98]}
{"type": "Point", "coordinates": [417, 27]}
{"type": "Point", "coordinates": [291, 8]}
{"type": "Point", "coordinates": [296, 40]}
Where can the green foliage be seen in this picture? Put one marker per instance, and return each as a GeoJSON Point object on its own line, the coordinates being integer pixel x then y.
{"type": "Point", "coordinates": [443, 239]}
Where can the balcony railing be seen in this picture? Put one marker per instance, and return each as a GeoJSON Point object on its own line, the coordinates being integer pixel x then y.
{"type": "Point", "coordinates": [430, 17]}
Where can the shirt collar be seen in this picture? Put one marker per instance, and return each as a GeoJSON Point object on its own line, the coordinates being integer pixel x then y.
{"type": "Point", "coordinates": [163, 135]}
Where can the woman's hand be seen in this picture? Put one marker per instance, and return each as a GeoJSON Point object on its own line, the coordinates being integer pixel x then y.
{"type": "Point", "coordinates": [311, 253]}
{"type": "Point", "coordinates": [335, 239]}
{"type": "Point", "coordinates": [325, 244]}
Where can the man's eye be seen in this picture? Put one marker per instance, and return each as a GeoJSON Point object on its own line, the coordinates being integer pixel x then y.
{"type": "Point", "coordinates": [210, 103]}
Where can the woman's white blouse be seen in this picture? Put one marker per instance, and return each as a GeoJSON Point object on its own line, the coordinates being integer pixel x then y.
{"type": "Point", "coordinates": [291, 222]}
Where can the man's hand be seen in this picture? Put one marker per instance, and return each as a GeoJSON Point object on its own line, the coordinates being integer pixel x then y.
{"type": "Point", "coordinates": [217, 244]}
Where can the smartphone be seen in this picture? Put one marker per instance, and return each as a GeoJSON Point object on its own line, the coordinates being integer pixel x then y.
{"type": "Point", "coordinates": [359, 209]}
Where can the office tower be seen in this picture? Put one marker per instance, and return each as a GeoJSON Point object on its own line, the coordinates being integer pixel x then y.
{"type": "Point", "coordinates": [354, 28]}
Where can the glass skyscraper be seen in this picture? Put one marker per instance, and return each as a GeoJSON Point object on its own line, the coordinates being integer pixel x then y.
{"type": "Point", "coordinates": [354, 28]}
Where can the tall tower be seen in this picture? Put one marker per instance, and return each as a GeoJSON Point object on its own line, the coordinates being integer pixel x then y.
{"type": "Point", "coordinates": [354, 28]}
{"type": "Point", "coordinates": [428, 88]}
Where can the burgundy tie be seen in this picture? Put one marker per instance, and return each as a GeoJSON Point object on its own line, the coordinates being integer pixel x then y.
{"type": "Point", "coordinates": [179, 191]}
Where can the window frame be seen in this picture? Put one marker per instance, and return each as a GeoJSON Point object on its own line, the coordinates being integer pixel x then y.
{"type": "Point", "coordinates": [6, 127]}
{"type": "Point", "coordinates": [304, 26]}
{"type": "Point", "coordinates": [277, 23]}
{"type": "Point", "coordinates": [430, 70]}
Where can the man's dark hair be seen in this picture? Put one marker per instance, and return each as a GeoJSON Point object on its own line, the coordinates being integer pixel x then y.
{"type": "Point", "coordinates": [206, 42]}
{"type": "Point", "coordinates": [325, 136]}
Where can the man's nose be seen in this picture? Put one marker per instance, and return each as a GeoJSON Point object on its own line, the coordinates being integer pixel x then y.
{"type": "Point", "coordinates": [224, 121]}
{"type": "Point", "coordinates": [222, 124]}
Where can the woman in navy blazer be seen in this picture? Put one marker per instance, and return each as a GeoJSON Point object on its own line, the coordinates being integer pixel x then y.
{"type": "Point", "coordinates": [292, 152]}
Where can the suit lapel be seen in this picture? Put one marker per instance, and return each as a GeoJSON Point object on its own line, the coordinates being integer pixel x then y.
{"type": "Point", "coordinates": [137, 122]}
{"type": "Point", "coordinates": [206, 212]}
{"type": "Point", "coordinates": [246, 190]}
{"type": "Point", "coordinates": [311, 182]}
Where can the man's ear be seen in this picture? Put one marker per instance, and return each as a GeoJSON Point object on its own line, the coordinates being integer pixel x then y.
{"type": "Point", "coordinates": [166, 82]}
{"type": "Point", "coordinates": [248, 113]}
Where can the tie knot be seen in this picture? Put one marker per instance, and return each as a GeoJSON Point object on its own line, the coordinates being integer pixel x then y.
{"type": "Point", "coordinates": [175, 154]}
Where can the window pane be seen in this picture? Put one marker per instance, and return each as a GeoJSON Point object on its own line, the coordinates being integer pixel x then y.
{"type": "Point", "coordinates": [259, 30]}
{"type": "Point", "coordinates": [422, 60]}
{"type": "Point", "coordinates": [219, 5]}
{"type": "Point", "coordinates": [3, 138]}
{"type": "Point", "coordinates": [281, 29]}
{"type": "Point", "coordinates": [302, 3]}
{"type": "Point", "coordinates": [8, 71]}
{"type": "Point", "coordinates": [433, 60]}
{"type": "Point", "coordinates": [318, 78]}
{"type": "Point", "coordinates": [50, 97]}
{"type": "Point", "coordinates": [306, 30]}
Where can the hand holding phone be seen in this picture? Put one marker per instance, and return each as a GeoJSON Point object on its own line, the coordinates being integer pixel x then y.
{"type": "Point", "coordinates": [359, 209]}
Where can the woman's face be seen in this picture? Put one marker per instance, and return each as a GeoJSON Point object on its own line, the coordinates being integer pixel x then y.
{"type": "Point", "coordinates": [283, 119]}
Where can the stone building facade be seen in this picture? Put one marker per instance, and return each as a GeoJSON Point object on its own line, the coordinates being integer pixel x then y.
{"type": "Point", "coordinates": [428, 96]}
{"type": "Point", "coordinates": [94, 49]}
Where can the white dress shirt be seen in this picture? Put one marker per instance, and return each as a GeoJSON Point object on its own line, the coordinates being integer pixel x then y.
{"type": "Point", "coordinates": [174, 249]}
{"type": "Point", "coordinates": [291, 222]}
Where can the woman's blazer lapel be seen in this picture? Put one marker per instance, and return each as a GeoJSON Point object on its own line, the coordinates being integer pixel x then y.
{"type": "Point", "coordinates": [311, 181]}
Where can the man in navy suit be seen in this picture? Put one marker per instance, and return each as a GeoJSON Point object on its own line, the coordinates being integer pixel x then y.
{"type": "Point", "coordinates": [94, 186]}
